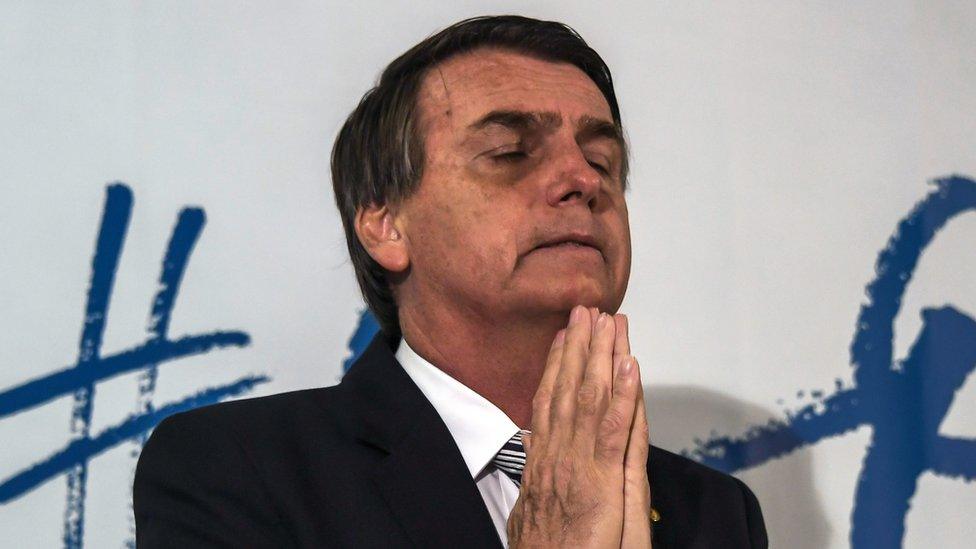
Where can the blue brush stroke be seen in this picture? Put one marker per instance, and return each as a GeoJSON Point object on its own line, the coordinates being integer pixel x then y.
{"type": "Point", "coordinates": [904, 403]}
{"type": "Point", "coordinates": [366, 328]}
{"type": "Point", "coordinates": [185, 235]}
{"type": "Point", "coordinates": [49, 387]}
{"type": "Point", "coordinates": [181, 243]}
{"type": "Point", "coordinates": [108, 250]}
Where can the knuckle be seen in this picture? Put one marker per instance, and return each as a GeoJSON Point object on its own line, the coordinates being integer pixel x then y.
{"type": "Point", "coordinates": [612, 423]}
{"type": "Point", "coordinates": [624, 391]}
{"type": "Point", "coordinates": [609, 446]}
{"type": "Point", "coordinates": [541, 399]}
{"type": "Point", "coordinates": [563, 387]}
{"type": "Point", "coordinates": [536, 478]}
{"type": "Point", "coordinates": [563, 469]}
{"type": "Point", "coordinates": [588, 398]}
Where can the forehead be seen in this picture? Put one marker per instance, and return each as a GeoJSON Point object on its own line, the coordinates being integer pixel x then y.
{"type": "Point", "coordinates": [465, 87]}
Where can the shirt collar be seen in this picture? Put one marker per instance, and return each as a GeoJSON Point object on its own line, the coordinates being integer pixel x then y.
{"type": "Point", "coordinates": [479, 427]}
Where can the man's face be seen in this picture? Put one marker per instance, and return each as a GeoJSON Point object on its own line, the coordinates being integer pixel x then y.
{"type": "Point", "coordinates": [520, 210]}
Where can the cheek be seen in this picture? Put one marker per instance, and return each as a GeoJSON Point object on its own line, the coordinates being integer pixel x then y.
{"type": "Point", "coordinates": [471, 239]}
{"type": "Point", "coordinates": [619, 225]}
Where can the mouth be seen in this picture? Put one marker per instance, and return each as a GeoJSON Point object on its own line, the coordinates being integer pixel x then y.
{"type": "Point", "coordinates": [571, 242]}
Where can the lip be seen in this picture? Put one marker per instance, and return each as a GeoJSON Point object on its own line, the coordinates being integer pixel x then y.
{"type": "Point", "coordinates": [579, 239]}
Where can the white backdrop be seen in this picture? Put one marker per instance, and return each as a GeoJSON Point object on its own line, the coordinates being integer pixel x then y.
{"type": "Point", "coordinates": [776, 147]}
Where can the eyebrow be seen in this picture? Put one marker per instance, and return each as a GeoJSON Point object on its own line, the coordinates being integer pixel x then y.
{"type": "Point", "coordinates": [518, 120]}
{"type": "Point", "coordinates": [588, 127]}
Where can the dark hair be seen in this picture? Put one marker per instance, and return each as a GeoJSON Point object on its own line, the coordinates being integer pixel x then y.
{"type": "Point", "coordinates": [378, 155]}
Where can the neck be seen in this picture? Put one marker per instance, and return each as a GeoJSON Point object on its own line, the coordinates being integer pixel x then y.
{"type": "Point", "coordinates": [501, 360]}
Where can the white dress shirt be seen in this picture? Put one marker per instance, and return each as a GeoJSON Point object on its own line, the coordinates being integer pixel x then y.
{"type": "Point", "coordinates": [479, 428]}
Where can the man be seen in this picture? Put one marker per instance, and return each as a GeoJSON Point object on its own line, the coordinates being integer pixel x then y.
{"type": "Point", "coordinates": [481, 185]}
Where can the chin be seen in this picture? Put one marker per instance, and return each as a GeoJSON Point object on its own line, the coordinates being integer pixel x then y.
{"type": "Point", "coordinates": [561, 299]}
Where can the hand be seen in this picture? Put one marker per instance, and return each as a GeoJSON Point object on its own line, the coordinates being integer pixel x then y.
{"type": "Point", "coordinates": [637, 532]}
{"type": "Point", "coordinates": [573, 486]}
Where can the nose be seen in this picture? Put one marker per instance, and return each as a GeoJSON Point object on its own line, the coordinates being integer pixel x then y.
{"type": "Point", "coordinates": [573, 180]}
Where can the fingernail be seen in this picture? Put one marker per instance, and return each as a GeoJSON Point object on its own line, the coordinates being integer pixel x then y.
{"type": "Point", "coordinates": [560, 336]}
{"type": "Point", "coordinates": [602, 320]}
{"type": "Point", "coordinates": [627, 368]}
{"type": "Point", "coordinates": [577, 314]}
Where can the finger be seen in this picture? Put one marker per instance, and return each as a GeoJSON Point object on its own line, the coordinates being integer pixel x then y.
{"type": "Point", "coordinates": [570, 375]}
{"type": "Point", "coordinates": [594, 316]}
{"type": "Point", "coordinates": [528, 469]}
{"type": "Point", "coordinates": [594, 393]}
{"type": "Point", "coordinates": [613, 432]}
{"type": "Point", "coordinates": [600, 358]}
{"type": "Point", "coordinates": [621, 344]}
{"type": "Point", "coordinates": [543, 394]}
{"type": "Point", "coordinates": [637, 495]}
{"type": "Point", "coordinates": [635, 462]}
{"type": "Point", "coordinates": [514, 525]}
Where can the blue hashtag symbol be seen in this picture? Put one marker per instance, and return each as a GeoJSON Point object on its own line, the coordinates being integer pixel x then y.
{"type": "Point", "coordinates": [79, 379]}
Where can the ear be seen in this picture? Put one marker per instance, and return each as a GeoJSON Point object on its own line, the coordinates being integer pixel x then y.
{"type": "Point", "coordinates": [377, 230]}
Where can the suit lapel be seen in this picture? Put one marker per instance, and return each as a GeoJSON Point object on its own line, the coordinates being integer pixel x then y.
{"type": "Point", "coordinates": [423, 479]}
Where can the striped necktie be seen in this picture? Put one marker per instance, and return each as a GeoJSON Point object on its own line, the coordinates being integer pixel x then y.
{"type": "Point", "coordinates": [511, 458]}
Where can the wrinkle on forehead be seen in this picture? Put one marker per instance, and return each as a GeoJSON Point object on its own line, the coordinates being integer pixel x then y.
{"type": "Point", "coordinates": [433, 101]}
{"type": "Point", "coordinates": [447, 92]}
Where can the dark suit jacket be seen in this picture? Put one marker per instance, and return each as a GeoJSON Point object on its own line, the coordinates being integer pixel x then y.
{"type": "Point", "coordinates": [368, 463]}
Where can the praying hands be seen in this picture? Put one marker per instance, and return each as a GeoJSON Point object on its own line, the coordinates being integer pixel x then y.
{"type": "Point", "coordinates": [585, 481]}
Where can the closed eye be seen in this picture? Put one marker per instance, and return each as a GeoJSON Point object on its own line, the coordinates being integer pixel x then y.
{"type": "Point", "coordinates": [510, 157]}
{"type": "Point", "coordinates": [599, 167]}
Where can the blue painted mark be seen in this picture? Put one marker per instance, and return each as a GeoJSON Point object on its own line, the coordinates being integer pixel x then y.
{"type": "Point", "coordinates": [108, 250]}
{"type": "Point", "coordinates": [57, 384]}
{"type": "Point", "coordinates": [80, 378]}
{"type": "Point", "coordinates": [366, 328]}
{"type": "Point", "coordinates": [904, 402]}
{"type": "Point", "coordinates": [184, 238]}
{"type": "Point", "coordinates": [181, 244]}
